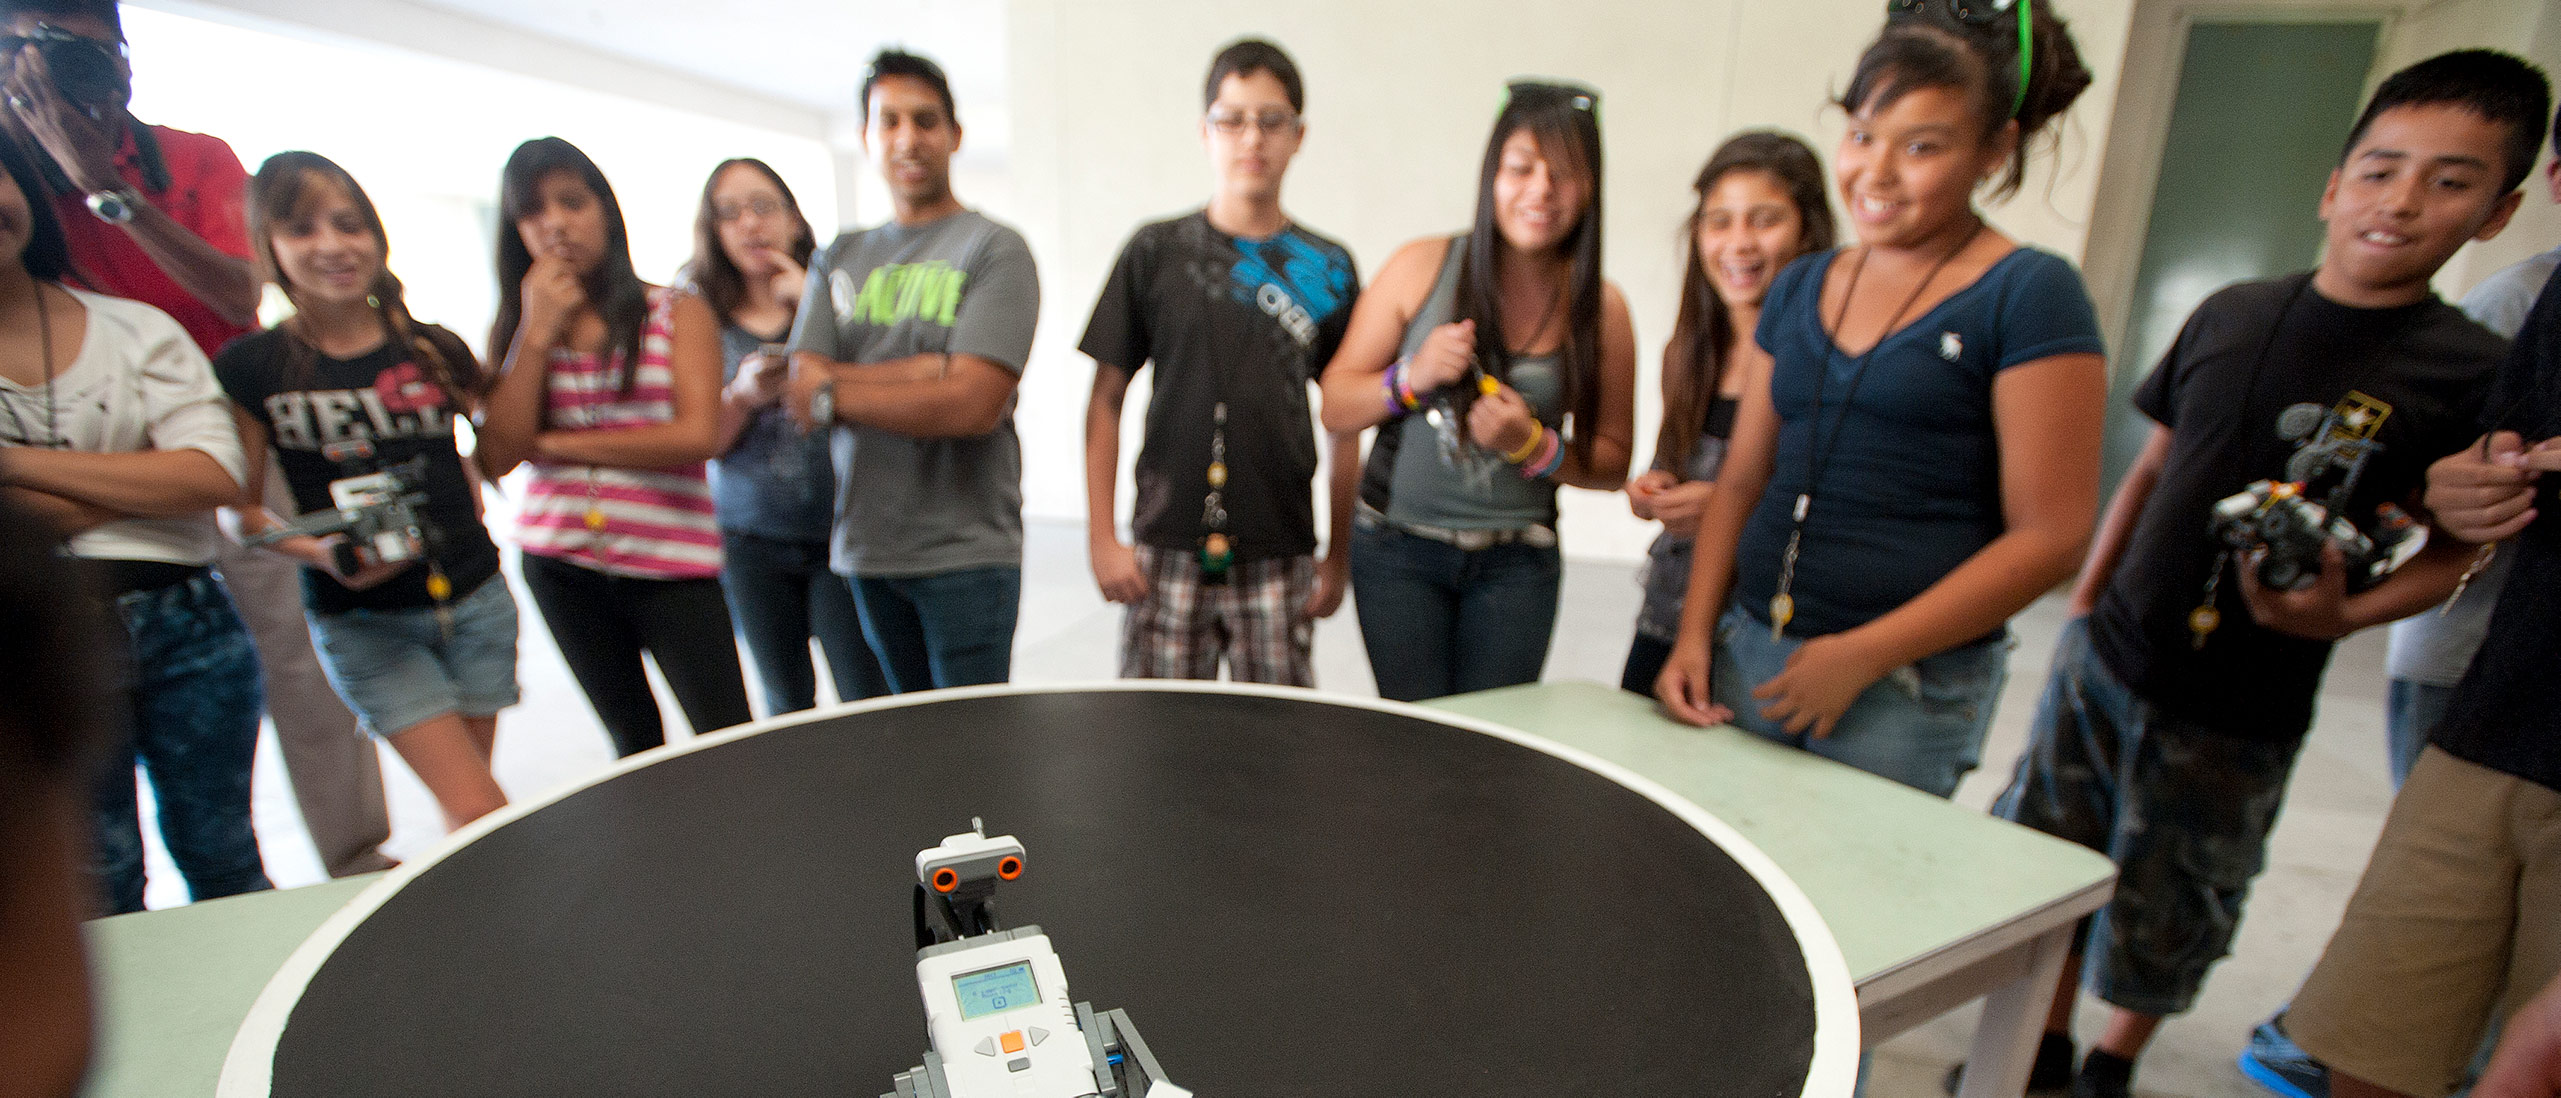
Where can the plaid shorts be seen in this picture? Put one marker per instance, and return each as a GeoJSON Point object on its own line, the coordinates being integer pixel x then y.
{"type": "Point", "coordinates": [1257, 621]}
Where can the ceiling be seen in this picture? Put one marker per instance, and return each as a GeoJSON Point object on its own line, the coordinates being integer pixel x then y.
{"type": "Point", "coordinates": [805, 52]}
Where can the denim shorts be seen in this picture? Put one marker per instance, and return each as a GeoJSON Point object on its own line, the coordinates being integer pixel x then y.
{"type": "Point", "coordinates": [398, 668]}
{"type": "Point", "coordinates": [1922, 724]}
{"type": "Point", "coordinates": [2183, 811]}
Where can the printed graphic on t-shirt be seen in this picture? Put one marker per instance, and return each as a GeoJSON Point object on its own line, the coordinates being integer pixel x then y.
{"type": "Point", "coordinates": [401, 405]}
{"type": "Point", "coordinates": [1291, 282]}
{"type": "Point", "coordinates": [929, 291]}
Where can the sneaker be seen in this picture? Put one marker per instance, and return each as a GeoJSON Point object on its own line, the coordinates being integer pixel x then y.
{"type": "Point", "coordinates": [2277, 1064]}
{"type": "Point", "coordinates": [2051, 1075]}
{"type": "Point", "coordinates": [2104, 1075]}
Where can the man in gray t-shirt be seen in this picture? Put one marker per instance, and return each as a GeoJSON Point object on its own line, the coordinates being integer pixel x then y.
{"type": "Point", "coordinates": [910, 340]}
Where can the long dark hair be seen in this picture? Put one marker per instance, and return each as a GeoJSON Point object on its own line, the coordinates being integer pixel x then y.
{"type": "Point", "coordinates": [1565, 121]}
{"type": "Point", "coordinates": [276, 193]}
{"type": "Point", "coordinates": [614, 287]}
{"type": "Point", "coordinates": [47, 255]}
{"type": "Point", "coordinates": [1694, 362]}
{"type": "Point", "coordinates": [710, 272]}
{"type": "Point", "coordinates": [1932, 50]}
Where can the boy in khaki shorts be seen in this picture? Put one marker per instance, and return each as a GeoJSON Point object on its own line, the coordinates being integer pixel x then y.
{"type": "Point", "coordinates": [2458, 918]}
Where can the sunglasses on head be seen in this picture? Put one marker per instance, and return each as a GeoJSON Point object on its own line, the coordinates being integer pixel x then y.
{"type": "Point", "coordinates": [1978, 13]}
{"type": "Point", "coordinates": [1578, 96]}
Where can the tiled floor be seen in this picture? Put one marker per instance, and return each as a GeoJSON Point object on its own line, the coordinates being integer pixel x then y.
{"type": "Point", "coordinates": [1069, 634]}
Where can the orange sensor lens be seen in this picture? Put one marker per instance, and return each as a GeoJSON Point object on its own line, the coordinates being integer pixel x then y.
{"type": "Point", "coordinates": [945, 880]}
{"type": "Point", "coordinates": [1009, 868]}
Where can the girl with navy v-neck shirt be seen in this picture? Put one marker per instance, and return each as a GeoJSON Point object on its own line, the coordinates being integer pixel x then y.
{"type": "Point", "coordinates": [1923, 461]}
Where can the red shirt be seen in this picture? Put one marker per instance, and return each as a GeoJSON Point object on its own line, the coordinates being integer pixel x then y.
{"type": "Point", "coordinates": [208, 193]}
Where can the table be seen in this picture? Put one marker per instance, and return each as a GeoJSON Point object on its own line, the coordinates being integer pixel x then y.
{"type": "Point", "coordinates": [1931, 904]}
{"type": "Point", "coordinates": [1934, 904]}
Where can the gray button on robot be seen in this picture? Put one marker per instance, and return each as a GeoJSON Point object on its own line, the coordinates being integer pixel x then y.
{"type": "Point", "coordinates": [1037, 1034]}
{"type": "Point", "coordinates": [987, 1047]}
{"type": "Point", "coordinates": [1019, 1063]}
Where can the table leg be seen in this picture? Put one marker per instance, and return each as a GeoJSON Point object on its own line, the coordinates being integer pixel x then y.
{"type": "Point", "coordinates": [2013, 1022]}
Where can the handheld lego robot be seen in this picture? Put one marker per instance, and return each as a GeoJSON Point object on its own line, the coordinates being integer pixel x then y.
{"type": "Point", "coordinates": [996, 1004]}
{"type": "Point", "coordinates": [2284, 524]}
{"type": "Point", "coordinates": [378, 513]}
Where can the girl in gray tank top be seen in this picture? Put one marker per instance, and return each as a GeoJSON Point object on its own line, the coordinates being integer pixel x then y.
{"type": "Point", "coordinates": [1497, 365]}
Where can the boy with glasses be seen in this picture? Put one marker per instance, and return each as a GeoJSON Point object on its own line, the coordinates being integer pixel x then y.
{"type": "Point", "coordinates": [1239, 308]}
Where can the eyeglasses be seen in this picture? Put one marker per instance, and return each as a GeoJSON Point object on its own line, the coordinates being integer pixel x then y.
{"type": "Point", "coordinates": [727, 212]}
{"type": "Point", "coordinates": [1980, 13]}
{"type": "Point", "coordinates": [1233, 123]}
{"type": "Point", "coordinates": [1581, 97]}
{"type": "Point", "coordinates": [46, 34]}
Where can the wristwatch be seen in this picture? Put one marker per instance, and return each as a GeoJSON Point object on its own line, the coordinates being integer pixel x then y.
{"type": "Point", "coordinates": [822, 406]}
{"type": "Point", "coordinates": [115, 205]}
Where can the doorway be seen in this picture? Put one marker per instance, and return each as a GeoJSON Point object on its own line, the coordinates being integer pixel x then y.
{"type": "Point", "coordinates": [2261, 111]}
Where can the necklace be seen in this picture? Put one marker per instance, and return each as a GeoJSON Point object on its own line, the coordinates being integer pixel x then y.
{"type": "Point", "coordinates": [1217, 551]}
{"type": "Point", "coordinates": [1818, 453]}
{"type": "Point", "coordinates": [52, 412]}
{"type": "Point", "coordinates": [2208, 616]}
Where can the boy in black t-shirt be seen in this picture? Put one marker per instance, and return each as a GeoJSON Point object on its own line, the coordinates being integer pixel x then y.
{"type": "Point", "coordinates": [2182, 688]}
{"type": "Point", "coordinates": [1239, 309]}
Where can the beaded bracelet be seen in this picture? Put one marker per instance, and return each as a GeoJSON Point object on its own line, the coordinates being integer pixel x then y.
{"type": "Point", "coordinates": [1400, 396]}
{"type": "Point", "coordinates": [1528, 448]}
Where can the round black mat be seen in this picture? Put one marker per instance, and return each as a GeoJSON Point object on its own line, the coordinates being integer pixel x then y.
{"type": "Point", "coordinates": [1290, 896]}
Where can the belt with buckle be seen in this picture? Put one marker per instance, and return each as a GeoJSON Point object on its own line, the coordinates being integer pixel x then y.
{"type": "Point", "coordinates": [1535, 535]}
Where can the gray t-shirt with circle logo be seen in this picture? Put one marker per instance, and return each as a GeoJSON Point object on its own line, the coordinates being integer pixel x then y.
{"type": "Point", "coordinates": [963, 284]}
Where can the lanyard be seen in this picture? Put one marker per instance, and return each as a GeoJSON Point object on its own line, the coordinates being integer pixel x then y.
{"type": "Point", "coordinates": [1819, 449]}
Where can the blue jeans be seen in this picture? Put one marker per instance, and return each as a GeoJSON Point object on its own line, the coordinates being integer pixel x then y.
{"type": "Point", "coordinates": [1921, 725]}
{"type": "Point", "coordinates": [401, 668]}
{"type": "Point", "coordinates": [2411, 711]}
{"type": "Point", "coordinates": [1441, 620]}
{"type": "Point", "coordinates": [192, 688]}
{"type": "Point", "coordinates": [780, 595]}
{"type": "Point", "coordinates": [946, 629]}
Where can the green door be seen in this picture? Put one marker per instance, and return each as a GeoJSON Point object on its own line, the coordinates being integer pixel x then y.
{"type": "Point", "coordinates": [2262, 111]}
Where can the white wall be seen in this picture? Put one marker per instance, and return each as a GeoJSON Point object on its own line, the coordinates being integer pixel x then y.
{"type": "Point", "coordinates": [1106, 104]}
{"type": "Point", "coordinates": [426, 136]}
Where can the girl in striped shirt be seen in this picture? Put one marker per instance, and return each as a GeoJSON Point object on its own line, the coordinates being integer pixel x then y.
{"type": "Point", "coordinates": [609, 393]}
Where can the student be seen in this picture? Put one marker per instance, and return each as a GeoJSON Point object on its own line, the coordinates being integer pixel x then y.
{"type": "Point", "coordinates": [423, 650]}
{"type": "Point", "coordinates": [774, 485]}
{"type": "Point", "coordinates": [1238, 307]}
{"type": "Point", "coordinates": [1499, 365]}
{"type": "Point", "coordinates": [2430, 651]}
{"type": "Point", "coordinates": [154, 214]}
{"type": "Point", "coordinates": [914, 336]}
{"type": "Point", "coordinates": [114, 432]}
{"type": "Point", "coordinates": [2182, 688]}
{"type": "Point", "coordinates": [56, 648]}
{"type": "Point", "coordinates": [610, 389]}
{"type": "Point", "coordinates": [1760, 205]}
{"type": "Point", "coordinates": [1924, 460]}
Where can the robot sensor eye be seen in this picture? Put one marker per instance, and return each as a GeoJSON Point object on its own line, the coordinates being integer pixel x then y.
{"type": "Point", "coordinates": [1009, 868]}
{"type": "Point", "coordinates": [945, 880]}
